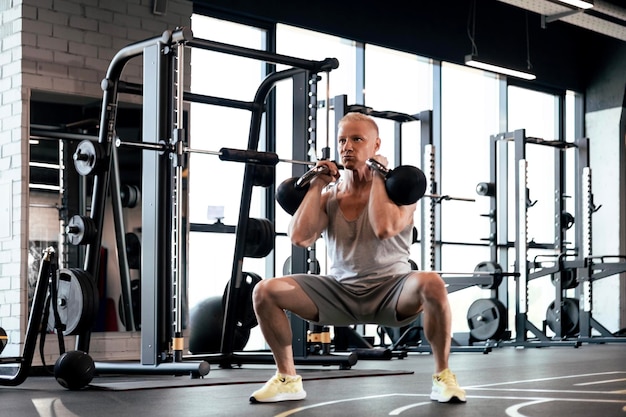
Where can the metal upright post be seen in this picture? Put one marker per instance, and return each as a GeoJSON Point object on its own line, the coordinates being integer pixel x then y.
{"type": "Point", "coordinates": [301, 149]}
{"type": "Point", "coordinates": [521, 243]}
{"type": "Point", "coordinates": [155, 187]}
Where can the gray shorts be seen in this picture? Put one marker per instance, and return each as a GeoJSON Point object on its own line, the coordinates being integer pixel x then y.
{"type": "Point", "coordinates": [341, 305]}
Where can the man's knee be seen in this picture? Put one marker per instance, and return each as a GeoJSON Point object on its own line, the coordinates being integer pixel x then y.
{"type": "Point", "coordinates": [261, 293]}
{"type": "Point", "coordinates": [431, 285]}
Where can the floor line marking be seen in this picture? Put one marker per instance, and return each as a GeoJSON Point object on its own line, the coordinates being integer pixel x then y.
{"type": "Point", "coordinates": [398, 411]}
{"type": "Point", "coordinates": [608, 381]}
{"type": "Point", "coordinates": [513, 411]}
{"type": "Point", "coordinates": [538, 399]}
{"type": "Point", "coordinates": [545, 379]}
{"type": "Point", "coordinates": [297, 410]}
{"type": "Point", "coordinates": [564, 391]}
{"type": "Point", "coordinates": [51, 407]}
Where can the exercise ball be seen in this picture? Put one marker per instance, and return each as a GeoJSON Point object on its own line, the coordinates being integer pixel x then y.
{"type": "Point", "coordinates": [74, 369]}
{"type": "Point", "coordinates": [205, 328]}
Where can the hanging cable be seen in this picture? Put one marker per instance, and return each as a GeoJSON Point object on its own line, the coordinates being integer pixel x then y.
{"type": "Point", "coordinates": [471, 26]}
{"type": "Point", "coordinates": [529, 65]}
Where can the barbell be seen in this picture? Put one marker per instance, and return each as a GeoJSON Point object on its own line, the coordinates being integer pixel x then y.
{"type": "Point", "coordinates": [89, 155]}
{"type": "Point", "coordinates": [224, 154]}
{"type": "Point", "coordinates": [405, 184]}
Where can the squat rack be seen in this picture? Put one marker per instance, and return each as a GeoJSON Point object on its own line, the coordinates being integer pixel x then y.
{"type": "Point", "coordinates": [571, 268]}
{"type": "Point", "coordinates": [162, 227]}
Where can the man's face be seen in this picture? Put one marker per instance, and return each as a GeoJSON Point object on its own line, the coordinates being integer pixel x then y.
{"type": "Point", "coordinates": [357, 141]}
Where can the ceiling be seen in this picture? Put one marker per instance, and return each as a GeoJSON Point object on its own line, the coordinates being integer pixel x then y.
{"type": "Point", "coordinates": [605, 17]}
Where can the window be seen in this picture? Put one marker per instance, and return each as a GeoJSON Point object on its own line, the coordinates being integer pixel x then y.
{"type": "Point", "coordinates": [469, 106]}
{"type": "Point", "coordinates": [469, 116]}
{"type": "Point", "coordinates": [214, 183]}
{"type": "Point", "coordinates": [538, 113]}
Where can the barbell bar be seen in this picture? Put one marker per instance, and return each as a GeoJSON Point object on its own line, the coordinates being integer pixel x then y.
{"type": "Point", "coordinates": [260, 157]}
{"type": "Point", "coordinates": [225, 154]}
{"type": "Point", "coordinates": [88, 159]}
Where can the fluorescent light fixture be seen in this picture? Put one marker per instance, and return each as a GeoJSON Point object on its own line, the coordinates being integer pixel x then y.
{"type": "Point", "coordinates": [473, 61]}
{"type": "Point", "coordinates": [581, 4]}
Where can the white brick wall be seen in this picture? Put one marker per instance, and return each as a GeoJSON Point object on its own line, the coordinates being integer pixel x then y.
{"type": "Point", "coordinates": [60, 46]}
{"type": "Point", "coordinates": [11, 176]}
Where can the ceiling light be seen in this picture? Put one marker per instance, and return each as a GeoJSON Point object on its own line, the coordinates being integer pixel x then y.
{"type": "Point", "coordinates": [581, 4]}
{"type": "Point", "coordinates": [473, 61]}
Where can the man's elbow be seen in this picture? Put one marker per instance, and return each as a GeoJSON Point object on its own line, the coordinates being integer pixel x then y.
{"type": "Point", "coordinates": [302, 241]}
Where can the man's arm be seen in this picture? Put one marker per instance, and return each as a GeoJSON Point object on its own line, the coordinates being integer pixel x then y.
{"type": "Point", "coordinates": [387, 218]}
{"type": "Point", "coordinates": [311, 218]}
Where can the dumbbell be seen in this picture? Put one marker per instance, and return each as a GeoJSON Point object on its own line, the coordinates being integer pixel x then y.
{"type": "Point", "coordinates": [404, 184]}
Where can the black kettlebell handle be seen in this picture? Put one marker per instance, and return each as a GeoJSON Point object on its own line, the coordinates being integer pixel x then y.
{"type": "Point", "coordinates": [377, 166]}
{"type": "Point", "coordinates": [308, 176]}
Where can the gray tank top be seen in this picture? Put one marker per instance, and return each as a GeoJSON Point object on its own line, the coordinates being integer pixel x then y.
{"type": "Point", "coordinates": [356, 256]}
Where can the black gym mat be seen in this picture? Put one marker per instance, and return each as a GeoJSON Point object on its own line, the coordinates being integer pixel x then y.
{"type": "Point", "coordinates": [227, 377]}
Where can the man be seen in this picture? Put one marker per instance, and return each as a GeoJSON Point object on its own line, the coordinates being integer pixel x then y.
{"type": "Point", "coordinates": [370, 280]}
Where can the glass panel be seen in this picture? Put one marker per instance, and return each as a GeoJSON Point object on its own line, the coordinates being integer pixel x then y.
{"type": "Point", "coordinates": [215, 183]}
{"type": "Point", "coordinates": [463, 259]}
{"type": "Point", "coordinates": [399, 82]}
{"type": "Point", "coordinates": [538, 114]}
{"type": "Point", "coordinates": [306, 44]}
{"type": "Point", "coordinates": [469, 113]}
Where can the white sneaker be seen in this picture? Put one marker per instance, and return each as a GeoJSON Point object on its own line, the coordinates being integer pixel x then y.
{"type": "Point", "coordinates": [446, 389]}
{"type": "Point", "coordinates": [280, 388]}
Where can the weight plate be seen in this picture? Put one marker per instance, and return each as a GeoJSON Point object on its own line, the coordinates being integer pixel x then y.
{"type": "Point", "coordinates": [129, 195]}
{"type": "Point", "coordinates": [81, 230]}
{"type": "Point", "coordinates": [486, 319]}
{"type": "Point", "coordinates": [135, 298]}
{"type": "Point", "coordinates": [491, 267]}
{"type": "Point", "coordinates": [92, 298]}
{"type": "Point", "coordinates": [244, 316]}
{"type": "Point", "coordinates": [569, 317]}
{"type": "Point", "coordinates": [4, 339]}
{"type": "Point", "coordinates": [133, 250]}
{"type": "Point", "coordinates": [87, 157]}
{"type": "Point", "coordinates": [76, 301]}
{"type": "Point", "coordinates": [568, 279]}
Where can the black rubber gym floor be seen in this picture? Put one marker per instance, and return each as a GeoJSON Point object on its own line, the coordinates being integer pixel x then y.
{"type": "Point", "coordinates": [532, 382]}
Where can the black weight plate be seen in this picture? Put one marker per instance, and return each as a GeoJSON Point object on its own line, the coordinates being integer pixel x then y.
{"type": "Point", "coordinates": [135, 298]}
{"type": "Point", "coordinates": [133, 250]}
{"type": "Point", "coordinates": [81, 230]}
{"type": "Point", "coordinates": [4, 339]}
{"type": "Point", "coordinates": [568, 279]}
{"type": "Point", "coordinates": [490, 267]}
{"type": "Point", "coordinates": [486, 319]}
{"type": "Point", "coordinates": [254, 238]}
{"type": "Point", "coordinates": [569, 317]}
{"type": "Point", "coordinates": [92, 301]}
{"type": "Point", "coordinates": [244, 315]}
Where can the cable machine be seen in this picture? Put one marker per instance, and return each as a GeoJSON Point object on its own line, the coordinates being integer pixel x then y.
{"type": "Point", "coordinates": [163, 228]}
